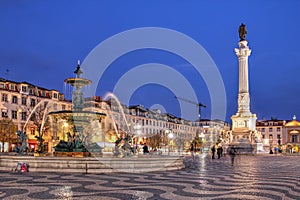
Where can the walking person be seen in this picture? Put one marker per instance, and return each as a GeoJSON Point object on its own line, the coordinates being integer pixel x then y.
{"type": "Point", "coordinates": [145, 149]}
{"type": "Point", "coordinates": [232, 153]}
{"type": "Point", "coordinates": [213, 151]}
{"type": "Point", "coordinates": [192, 149]}
{"type": "Point", "coordinates": [219, 151]}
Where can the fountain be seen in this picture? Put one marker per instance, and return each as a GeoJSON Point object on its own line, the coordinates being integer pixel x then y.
{"type": "Point", "coordinates": [78, 142]}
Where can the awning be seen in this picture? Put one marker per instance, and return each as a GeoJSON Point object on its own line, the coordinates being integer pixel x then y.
{"type": "Point", "coordinates": [32, 141]}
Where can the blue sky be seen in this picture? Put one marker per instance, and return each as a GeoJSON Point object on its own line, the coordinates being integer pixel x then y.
{"type": "Point", "coordinates": [41, 41]}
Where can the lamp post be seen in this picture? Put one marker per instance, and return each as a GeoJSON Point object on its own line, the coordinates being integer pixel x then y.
{"type": "Point", "coordinates": [170, 136]}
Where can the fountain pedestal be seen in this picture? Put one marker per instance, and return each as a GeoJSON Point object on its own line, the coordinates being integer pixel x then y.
{"type": "Point", "coordinates": [77, 143]}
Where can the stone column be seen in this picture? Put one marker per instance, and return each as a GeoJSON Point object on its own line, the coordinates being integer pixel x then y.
{"type": "Point", "coordinates": [243, 52]}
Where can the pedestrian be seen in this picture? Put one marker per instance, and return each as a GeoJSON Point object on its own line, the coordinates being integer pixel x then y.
{"type": "Point", "coordinates": [145, 149]}
{"type": "Point", "coordinates": [192, 149]}
{"type": "Point", "coordinates": [219, 151]}
{"type": "Point", "coordinates": [213, 150]}
{"type": "Point", "coordinates": [232, 152]}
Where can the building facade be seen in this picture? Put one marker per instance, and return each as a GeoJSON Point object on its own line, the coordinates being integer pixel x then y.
{"type": "Point", "coordinates": [282, 134]}
{"type": "Point", "coordinates": [25, 104]}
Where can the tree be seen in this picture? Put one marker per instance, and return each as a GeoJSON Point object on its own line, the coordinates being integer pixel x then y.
{"type": "Point", "coordinates": [155, 141]}
{"type": "Point", "coordinates": [197, 142]}
{"type": "Point", "coordinates": [7, 133]}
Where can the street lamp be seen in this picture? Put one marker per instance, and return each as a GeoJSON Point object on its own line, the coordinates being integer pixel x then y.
{"type": "Point", "coordinates": [170, 136]}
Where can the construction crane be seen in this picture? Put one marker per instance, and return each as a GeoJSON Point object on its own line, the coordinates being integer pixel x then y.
{"type": "Point", "coordinates": [199, 105]}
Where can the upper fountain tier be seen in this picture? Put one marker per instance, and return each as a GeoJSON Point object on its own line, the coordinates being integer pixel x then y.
{"type": "Point", "coordinates": [78, 82]}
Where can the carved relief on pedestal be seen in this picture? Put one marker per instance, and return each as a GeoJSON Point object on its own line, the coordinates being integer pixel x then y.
{"type": "Point", "coordinates": [243, 102]}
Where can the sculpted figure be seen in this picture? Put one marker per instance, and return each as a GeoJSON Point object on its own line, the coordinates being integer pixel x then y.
{"type": "Point", "coordinates": [242, 32]}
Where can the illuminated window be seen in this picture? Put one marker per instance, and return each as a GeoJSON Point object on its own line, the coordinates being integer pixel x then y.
{"type": "Point", "coordinates": [270, 137]}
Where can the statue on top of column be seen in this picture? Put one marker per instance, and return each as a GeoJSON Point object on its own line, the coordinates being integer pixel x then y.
{"type": "Point", "coordinates": [242, 32]}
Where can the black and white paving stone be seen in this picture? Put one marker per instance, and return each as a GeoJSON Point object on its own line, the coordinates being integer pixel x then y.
{"type": "Point", "coordinates": [250, 177]}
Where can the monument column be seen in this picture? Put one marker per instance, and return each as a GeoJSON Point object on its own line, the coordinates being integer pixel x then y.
{"type": "Point", "coordinates": [243, 122]}
{"type": "Point", "coordinates": [243, 52]}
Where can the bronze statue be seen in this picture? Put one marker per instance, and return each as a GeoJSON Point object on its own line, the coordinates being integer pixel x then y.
{"type": "Point", "coordinates": [242, 32]}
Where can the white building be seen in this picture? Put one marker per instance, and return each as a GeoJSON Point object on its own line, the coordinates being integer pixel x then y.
{"type": "Point", "coordinates": [22, 101]}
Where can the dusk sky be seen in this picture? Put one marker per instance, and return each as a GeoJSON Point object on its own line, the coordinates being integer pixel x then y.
{"type": "Point", "coordinates": [41, 41]}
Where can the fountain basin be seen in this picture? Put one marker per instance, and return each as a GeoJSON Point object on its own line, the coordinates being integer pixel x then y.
{"type": "Point", "coordinates": [78, 116]}
{"type": "Point", "coordinates": [78, 81]}
{"type": "Point", "coordinates": [93, 164]}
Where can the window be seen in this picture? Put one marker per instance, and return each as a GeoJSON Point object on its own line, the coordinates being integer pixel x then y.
{"type": "Point", "coordinates": [270, 129]}
{"type": "Point", "coordinates": [12, 87]}
{"type": "Point", "coordinates": [24, 101]}
{"type": "Point", "coordinates": [14, 99]}
{"type": "Point", "coordinates": [263, 136]}
{"type": "Point", "coordinates": [294, 139]}
{"type": "Point", "coordinates": [55, 95]}
{"type": "Point", "coordinates": [63, 107]}
{"type": "Point", "coordinates": [4, 114]}
{"type": "Point", "coordinates": [14, 114]}
{"type": "Point", "coordinates": [278, 129]}
{"type": "Point", "coordinates": [262, 129]}
{"type": "Point", "coordinates": [23, 116]}
{"type": "Point", "coordinates": [4, 97]}
{"type": "Point", "coordinates": [278, 136]}
{"type": "Point", "coordinates": [270, 137]}
{"type": "Point", "coordinates": [2, 85]}
{"type": "Point", "coordinates": [45, 104]}
{"type": "Point", "coordinates": [32, 102]}
{"type": "Point", "coordinates": [31, 92]}
{"type": "Point", "coordinates": [24, 88]}
{"type": "Point", "coordinates": [55, 106]}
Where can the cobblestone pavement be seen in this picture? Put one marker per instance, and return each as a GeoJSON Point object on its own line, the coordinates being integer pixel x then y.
{"type": "Point", "coordinates": [250, 177]}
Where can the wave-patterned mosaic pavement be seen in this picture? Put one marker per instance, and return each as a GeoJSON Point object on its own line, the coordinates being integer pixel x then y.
{"type": "Point", "coordinates": [250, 177]}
